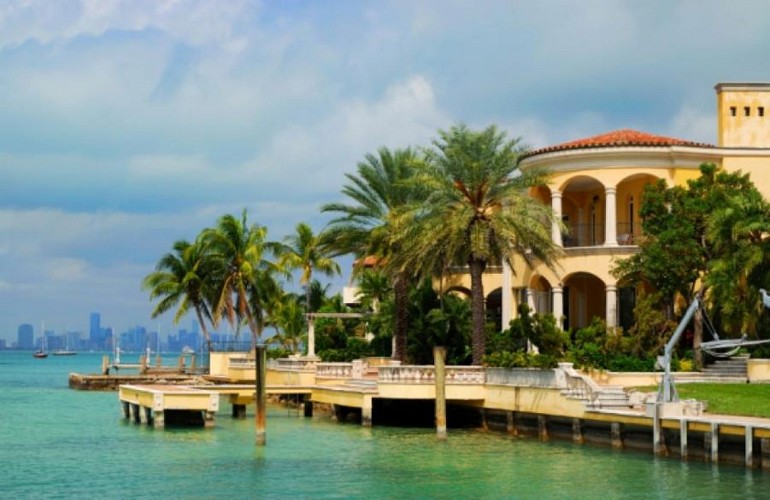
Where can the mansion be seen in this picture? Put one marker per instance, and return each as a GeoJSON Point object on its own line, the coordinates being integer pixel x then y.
{"type": "Point", "coordinates": [595, 188]}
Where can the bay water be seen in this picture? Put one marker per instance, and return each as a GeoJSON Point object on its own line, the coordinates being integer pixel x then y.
{"type": "Point", "coordinates": [59, 443]}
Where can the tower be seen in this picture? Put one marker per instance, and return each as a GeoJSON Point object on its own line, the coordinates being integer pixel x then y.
{"type": "Point", "coordinates": [743, 115]}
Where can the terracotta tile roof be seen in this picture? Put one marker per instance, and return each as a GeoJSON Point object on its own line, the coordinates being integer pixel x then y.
{"type": "Point", "coordinates": [619, 138]}
{"type": "Point", "coordinates": [368, 261]}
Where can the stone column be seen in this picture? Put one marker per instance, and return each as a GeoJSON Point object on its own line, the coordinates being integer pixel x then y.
{"type": "Point", "coordinates": [612, 305]}
{"type": "Point", "coordinates": [558, 305]}
{"type": "Point", "coordinates": [610, 218]}
{"type": "Point", "coordinates": [507, 311]}
{"type": "Point", "coordinates": [531, 300]}
{"type": "Point", "coordinates": [366, 412]}
{"type": "Point", "coordinates": [556, 207]}
{"type": "Point", "coordinates": [310, 336]}
{"type": "Point", "coordinates": [158, 419]}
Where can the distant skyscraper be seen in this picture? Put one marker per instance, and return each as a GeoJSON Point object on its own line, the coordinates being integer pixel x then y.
{"type": "Point", "coordinates": [95, 331]}
{"type": "Point", "coordinates": [25, 338]}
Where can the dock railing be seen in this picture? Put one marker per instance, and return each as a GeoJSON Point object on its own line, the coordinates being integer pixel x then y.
{"type": "Point", "coordinates": [425, 374]}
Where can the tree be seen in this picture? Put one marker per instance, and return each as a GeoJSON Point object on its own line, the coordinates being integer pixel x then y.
{"type": "Point", "coordinates": [245, 278]}
{"type": "Point", "coordinates": [181, 279]}
{"type": "Point", "coordinates": [303, 251]}
{"type": "Point", "coordinates": [366, 226]}
{"type": "Point", "coordinates": [476, 211]}
{"type": "Point", "coordinates": [289, 318]}
{"type": "Point", "coordinates": [677, 254]}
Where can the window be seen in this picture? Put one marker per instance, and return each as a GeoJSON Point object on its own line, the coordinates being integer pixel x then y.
{"type": "Point", "coordinates": [747, 111]}
{"type": "Point", "coordinates": [733, 110]}
{"type": "Point", "coordinates": [761, 111]}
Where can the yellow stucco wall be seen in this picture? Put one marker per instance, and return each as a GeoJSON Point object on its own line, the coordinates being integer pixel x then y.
{"type": "Point", "coordinates": [738, 115]}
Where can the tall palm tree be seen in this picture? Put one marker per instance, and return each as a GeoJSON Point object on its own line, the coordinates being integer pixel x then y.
{"type": "Point", "coordinates": [289, 320]}
{"type": "Point", "coordinates": [303, 251]}
{"type": "Point", "coordinates": [245, 276]}
{"type": "Point", "coordinates": [182, 280]}
{"type": "Point", "coordinates": [477, 210]}
{"type": "Point", "coordinates": [366, 225]}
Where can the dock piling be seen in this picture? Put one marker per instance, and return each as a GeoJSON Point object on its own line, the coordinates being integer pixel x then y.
{"type": "Point", "coordinates": [683, 424]}
{"type": "Point", "coordinates": [260, 398]}
{"type": "Point", "coordinates": [439, 354]}
{"type": "Point", "coordinates": [749, 451]}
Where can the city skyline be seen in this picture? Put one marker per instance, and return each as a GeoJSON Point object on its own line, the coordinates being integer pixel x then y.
{"type": "Point", "coordinates": [129, 125]}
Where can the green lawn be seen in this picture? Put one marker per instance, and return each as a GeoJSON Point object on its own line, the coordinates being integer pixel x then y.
{"type": "Point", "coordinates": [729, 399]}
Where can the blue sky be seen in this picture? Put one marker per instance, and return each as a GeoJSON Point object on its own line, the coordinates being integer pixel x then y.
{"type": "Point", "coordinates": [126, 125]}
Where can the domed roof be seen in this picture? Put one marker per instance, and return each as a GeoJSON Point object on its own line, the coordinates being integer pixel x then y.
{"type": "Point", "coordinates": [620, 138]}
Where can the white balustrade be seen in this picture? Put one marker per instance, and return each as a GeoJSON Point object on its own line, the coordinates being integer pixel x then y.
{"type": "Point", "coordinates": [424, 374]}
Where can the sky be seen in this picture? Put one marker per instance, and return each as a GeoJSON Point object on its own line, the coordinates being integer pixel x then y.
{"type": "Point", "coordinates": [127, 125]}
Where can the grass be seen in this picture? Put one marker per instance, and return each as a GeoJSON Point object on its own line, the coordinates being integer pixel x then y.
{"type": "Point", "coordinates": [728, 399]}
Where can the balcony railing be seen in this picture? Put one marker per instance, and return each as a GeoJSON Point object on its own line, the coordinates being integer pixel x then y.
{"type": "Point", "coordinates": [627, 234]}
{"type": "Point", "coordinates": [583, 235]}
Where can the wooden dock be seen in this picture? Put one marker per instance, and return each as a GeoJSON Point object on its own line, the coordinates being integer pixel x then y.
{"type": "Point", "coordinates": [153, 404]}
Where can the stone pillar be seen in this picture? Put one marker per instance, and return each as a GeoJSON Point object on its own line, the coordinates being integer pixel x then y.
{"type": "Point", "coordinates": [147, 415]}
{"type": "Point", "coordinates": [126, 409]}
{"type": "Point", "coordinates": [612, 305]}
{"type": "Point", "coordinates": [542, 427]}
{"type": "Point", "coordinates": [366, 412]}
{"type": "Point", "coordinates": [749, 451]}
{"type": "Point", "coordinates": [556, 207]}
{"type": "Point", "coordinates": [507, 299]}
{"type": "Point", "coordinates": [764, 450]}
{"type": "Point", "coordinates": [239, 411]}
{"type": "Point", "coordinates": [616, 435]}
{"type": "Point", "coordinates": [158, 419]}
{"type": "Point", "coordinates": [310, 336]}
{"type": "Point", "coordinates": [711, 443]}
{"type": "Point", "coordinates": [577, 431]}
{"type": "Point", "coordinates": [511, 426]}
{"type": "Point", "coordinates": [136, 410]}
{"type": "Point", "coordinates": [683, 424]}
{"type": "Point", "coordinates": [558, 305]}
{"type": "Point", "coordinates": [209, 419]}
{"type": "Point", "coordinates": [610, 218]}
{"type": "Point", "coordinates": [531, 300]}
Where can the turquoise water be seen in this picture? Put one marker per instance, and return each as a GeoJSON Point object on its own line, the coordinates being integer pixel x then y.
{"type": "Point", "coordinates": [60, 443]}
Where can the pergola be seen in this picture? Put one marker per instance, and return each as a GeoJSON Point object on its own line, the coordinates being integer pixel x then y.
{"type": "Point", "coordinates": [311, 317]}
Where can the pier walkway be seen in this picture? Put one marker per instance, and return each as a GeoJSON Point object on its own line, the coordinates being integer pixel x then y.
{"type": "Point", "coordinates": [562, 403]}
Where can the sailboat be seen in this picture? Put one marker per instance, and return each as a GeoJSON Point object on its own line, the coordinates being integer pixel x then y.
{"type": "Point", "coordinates": [42, 352]}
{"type": "Point", "coordinates": [66, 351]}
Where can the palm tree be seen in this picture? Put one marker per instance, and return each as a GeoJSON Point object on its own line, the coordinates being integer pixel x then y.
{"type": "Point", "coordinates": [477, 211]}
{"type": "Point", "coordinates": [181, 279]}
{"type": "Point", "coordinates": [373, 288]}
{"type": "Point", "coordinates": [303, 251]}
{"type": "Point", "coordinates": [289, 319]}
{"type": "Point", "coordinates": [245, 280]}
{"type": "Point", "coordinates": [366, 227]}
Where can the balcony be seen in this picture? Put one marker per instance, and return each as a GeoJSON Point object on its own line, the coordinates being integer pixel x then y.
{"type": "Point", "coordinates": [592, 235]}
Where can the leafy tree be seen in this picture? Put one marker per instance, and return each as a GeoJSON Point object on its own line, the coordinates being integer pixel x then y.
{"type": "Point", "coordinates": [476, 211]}
{"type": "Point", "coordinates": [677, 253]}
{"type": "Point", "coordinates": [303, 251]}
{"type": "Point", "coordinates": [181, 279]}
{"type": "Point", "coordinates": [366, 225]}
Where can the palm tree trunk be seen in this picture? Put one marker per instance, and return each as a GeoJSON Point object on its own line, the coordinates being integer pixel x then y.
{"type": "Point", "coordinates": [401, 292]}
{"type": "Point", "coordinates": [478, 320]}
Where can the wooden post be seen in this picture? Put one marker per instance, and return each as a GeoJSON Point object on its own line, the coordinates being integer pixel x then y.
{"type": "Point", "coordinates": [439, 354]}
{"type": "Point", "coordinates": [106, 364]}
{"type": "Point", "coordinates": [260, 398]}
{"type": "Point", "coordinates": [310, 336]}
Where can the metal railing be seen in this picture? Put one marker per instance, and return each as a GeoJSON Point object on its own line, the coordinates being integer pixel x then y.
{"type": "Point", "coordinates": [583, 235]}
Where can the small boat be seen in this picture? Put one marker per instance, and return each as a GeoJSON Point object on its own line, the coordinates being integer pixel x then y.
{"type": "Point", "coordinates": [63, 352]}
{"type": "Point", "coordinates": [40, 354]}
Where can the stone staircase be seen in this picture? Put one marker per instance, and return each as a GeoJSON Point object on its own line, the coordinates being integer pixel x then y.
{"type": "Point", "coordinates": [727, 370]}
{"type": "Point", "coordinates": [605, 397]}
